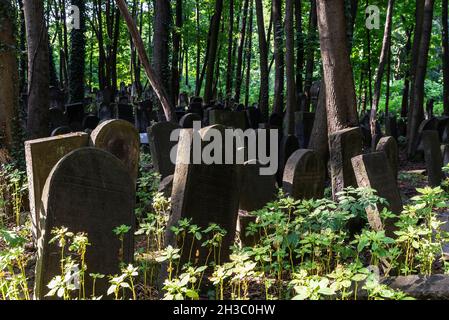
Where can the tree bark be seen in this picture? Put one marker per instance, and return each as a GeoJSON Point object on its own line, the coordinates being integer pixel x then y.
{"type": "Point", "coordinates": [238, 73]}
{"type": "Point", "coordinates": [278, 57]}
{"type": "Point", "coordinates": [175, 77]}
{"type": "Point", "coordinates": [230, 43]}
{"type": "Point", "coordinates": [386, 43]}
{"type": "Point", "coordinates": [318, 138]}
{"type": "Point", "coordinates": [339, 83]}
{"type": "Point", "coordinates": [445, 45]}
{"type": "Point", "coordinates": [153, 77]}
{"type": "Point", "coordinates": [310, 52]}
{"type": "Point", "coordinates": [38, 73]}
{"type": "Point", "coordinates": [299, 47]}
{"type": "Point", "coordinates": [214, 29]}
{"type": "Point", "coordinates": [77, 57]}
{"type": "Point", "coordinates": [249, 53]}
{"type": "Point", "coordinates": [290, 67]}
{"type": "Point", "coordinates": [417, 106]}
{"type": "Point", "coordinates": [263, 60]}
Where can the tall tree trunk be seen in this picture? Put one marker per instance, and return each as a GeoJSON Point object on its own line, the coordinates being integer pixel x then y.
{"type": "Point", "coordinates": [445, 45]}
{"type": "Point", "coordinates": [263, 61]}
{"type": "Point", "coordinates": [155, 81]}
{"type": "Point", "coordinates": [386, 43]}
{"type": "Point", "coordinates": [22, 54]}
{"type": "Point", "coordinates": [278, 57]}
{"type": "Point", "coordinates": [339, 83]}
{"type": "Point", "coordinates": [214, 29]}
{"type": "Point", "coordinates": [238, 73]}
{"type": "Point", "coordinates": [310, 52]}
{"type": "Point", "coordinates": [290, 67]}
{"type": "Point", "coordinates": [9, 89]}
{"type": "Point", "coordinates": [230, 43]}
{"type": "Point", "coordinates": [420, 73]}
{"type": "Point", "coordinates": [299, 47]}
{"type": "Point", "coordinates": [387, 90]}
{"type": "Point", "coordinates": [175, 76]}
{"type": "Point", "coordinates": [406, 89]}
{"type": "Point", "coordinates": [161, 40]}
{"type": "Point", "coordinates": [38, 73]}
{"type": "Point", "coordinates": [318, 138]}
{"type": "Point", "coordinates": [77, 57]}
{"type": "Point", "coordinates": [249, 53]}
{"type": "Point", "coordinates": [198, 49]}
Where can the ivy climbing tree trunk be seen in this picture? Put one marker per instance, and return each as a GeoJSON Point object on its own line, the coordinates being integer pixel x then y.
{"type": "Point", "coordinates": [38, 71]}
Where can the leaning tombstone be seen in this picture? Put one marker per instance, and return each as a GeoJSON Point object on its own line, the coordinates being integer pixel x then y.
{"type": "Point", "coordinates": [161, 147]}
{"type": "Point", "coordinates": [41, 155]}
{"type": "Point", "coordinates": [89, 191]}
{"type": "Point", "coordinates": [372, 171]}
{"type": "Point", "coordinates": [343, 146]}
{"type": "Point", "coordinates": [120, 138]}
{"type": "Point", "coordinates": [389, 146]}
{"type": "Point", "coordinates": [186, 122]}
{"type": "Point", "coordinates": [432, 155]}
{"type": "Point", "coordinates": [206, 192]}
{"type": "Point", "coordinates": [166, 186]}
{"type": "Point", "coordinates": [304, 175]}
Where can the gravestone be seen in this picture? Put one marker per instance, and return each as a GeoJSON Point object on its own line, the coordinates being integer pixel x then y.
{"type": "Point", "coordinates": [256, 189]}
{"type": "Point", "coordinates": [372, 171]}
{"type": "Point", "coordinates": [74, 113]}
{"type": "Point", "coordinates": [206, 193]}
{"type": "Point", "coordinates": [120, 138]}
{"type": "Point", "coordinates": [56, 98]}
{"type": "Point", "coordinates": [125, 112]}
{"type": "Point", "coordinates": [343, 146]}
{"type": "Point", "coordinates": [161, 146]}
{"type": "Point", "coordinates": [276, 120]}
{"type": "Point", "coordinates": [304, 175]}
{"type": "Point", "coordinates": [61, 130]}
{"type": "Point", "coordinates": [56, 118]}
{"type": "Point", "coordinates": [90, 122]}
{"type": "Point", "coordinates": [432, 155]}
{"type": "Point", "coordinates": [253, 116]}
{"type": "Point", "coordinates": [226, 118]}
{"type": "Point", "coordinates": [443, 126]}
{"type": "Point", "coordinates": [187, 120]}
{"type": "Point", "coordinates": [89, 190]}
{"type": "Point", "coordinates": [428, 124]}
{"type": "Point", "coordinates": [389, 146]}
{"type": "Point", "coordinates": [402, 127]}
{"type": "Point", "coordinates": [105, 112]}
{"type": "Point", "coordinates": [166, 186]}
{"type": "Point", "coordinates": [287, 146]}
{"type": "Point", "coordinates": [41, 155]}
{"type": "Point", "coordinates": [391, 126]}
{"type": "Point", "coordinates": [303, 127]}
{"type": "Point", "coordinates": [196, 108]}
{"type": "Point", "coordinates": [143, 115]}
{"type": "Point", "coordinates": [445, 153]}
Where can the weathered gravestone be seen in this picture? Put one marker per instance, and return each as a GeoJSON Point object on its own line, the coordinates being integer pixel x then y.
{"type": "Point", "coordinates": [442, 126]}
{"type": "Point", "coordinates": [89, 190]}
{"type": "Point", "coordinates": [186, 122]}
{"type": "Point", "coordinates": [61, 130]}
{"type": "Point", "coordinates": [445, 153]}
{"type": "Point", "coordinates": [105, 112]}
{"type": "Point", "coordinates": [253, 116]}
{"type": "Point", "coordinates": [57, 118]}
{"type": "Point", "coordinates": [166, 186]}
{"type": "Point", "coordinates": [304, 175]}
{"type": "Point", "coordinates": [343, 146]}
{"type": "Point", "coordinates": [41, 155]}
{"type": "Point", "coordinates": [389, 146]}
{"type": "Point", "coordinates": [432, 155]}
{"type": "Point", "coordinates": [125, 112]}
{"type": "Point", "coordinates": [206, 193]}
{"type": "Point", "coordinates": [391, 126]}
{"type": "Point", "coordinates": [74, 113]}
{"type": "Point", "coordinates": [120, 138]}
{"type": "Point", "coordinates": [303, 127]}
{"type": "Point", "coordinates": [426, 125]}
{"type": "Point", "coordinates": [256, 189]}
{"type": "Point", "coordinates": [226, 118]}
{"type": "Point", "coordinates": [161, 146]}
{"type": "Point", "coordinates": [372, 171]}
{"type": "Point", "coordinates": [90, 122]}
{"type": "Point", "coordinates": [288, 145]}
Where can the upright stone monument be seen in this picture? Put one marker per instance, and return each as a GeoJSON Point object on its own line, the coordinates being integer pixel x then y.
{"type": "Point", "coordinates": [389, 146]}
{"type": "Point", "coordinates": [432, 155]}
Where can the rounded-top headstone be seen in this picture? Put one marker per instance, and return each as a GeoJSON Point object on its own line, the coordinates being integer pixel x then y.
{"type": "Point", "coordinates": [120, 138]}
{"type": "Point", "coordinates": [389, 146]}
{"type": "Point", "coordinates": [187, 120]}
{"type": "Point", "coordinates": [304, 175]}
{"type": "Point", "coordinates": [88, 190]}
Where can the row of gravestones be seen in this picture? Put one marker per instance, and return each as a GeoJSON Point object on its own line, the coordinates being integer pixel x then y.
{"type": "Point", "coordinates": [86, 184]}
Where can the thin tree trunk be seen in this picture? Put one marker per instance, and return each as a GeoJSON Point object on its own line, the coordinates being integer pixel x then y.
{"type": "Point", "coordinates": [445, 45]}
{"type": "Point", "coordinates": [278, 57]}
{"type": "Point", "coordinates": [290, 67]}
{"type": "Point", "coordinates": [38, 73]}
{"type": "Point", "coordinates": [310, 52]}
{"type": "Point", "coordinates": [77, 57]}
{"type": "Point", "coordinates": [249, 53]}
{"type": "Point", "coordinates": [175, 76]}
{"type": "Point", "coordinates": [214, 29]}
{"type": "Point", "coordinates": [198, 50]}
{"type": "Point", "coordinates": [238, 73]}
{"type": "Point", "coordinates": [299, 47]}
{"type": "Point", "coordinates": [230, 42]}
{"type": "Point", "coordinates": [263, 61]}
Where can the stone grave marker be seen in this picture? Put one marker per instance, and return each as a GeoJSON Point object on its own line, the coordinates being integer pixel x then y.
{"type": "Point", "coordinates": [74, 113]}
{"type": "Point", "coordinates": [125, 112]}
{"type": "Point", "coordinates": [61, 130]}
{"type": "Point", "coordinates": [161, 146]}
{"type": "Point", "coordinates": [391, 126]}
{"type": "Point", "coordinates": [287, 146]}
{"type": "Point", "coordinates": [105, 112]}
{"type": "Point", "coordinates": [186, 122]}
{"type": "Point", "coordinates": [120, 138]}
{"type": "Point", "coordinates": [57, 118]}
{"type": "Point", "coordinates": [303, 127]}
{"type": "Point", "coordinates": [389, 146]}
{"type": "Point", "coordinates": [372, 171]}
{"type": "Point", "coordinates": [41, 156]}
{"type": "Point", "coordinates": [304, 175]}
{"type": "Point", "coordinates": [432, 155]}
{"type": "Point", "coordinates": [343, 146]}
{"type": "Point", "coordinates": [254, 116]}
{"type": "Point", "coordinates": [206, 193]}
{"type": "Point", "coordinates": [445, 153]}
{"type": "Point", "coordinates": [90, 122]}
{"type": "Point", "coordinates": [226, 118]}
{"type": "Point", "coordinates": [89, 190]}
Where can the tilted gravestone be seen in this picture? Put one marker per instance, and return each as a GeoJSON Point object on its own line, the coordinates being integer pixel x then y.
{"type": "Point", "coordinates": [372, 171]}
{"type": "Point", "coordinates": [89, 190]}
{"type": "Point", "coordinates": [41, 155]}
{"type": "Point", "coordinates": [226, 118]}
{"type": "Point", "coordinates": [206, 193]}
{"type": "Point", "coordinates": [426, 125]}
{"type": "Point", "coordinates": [161, 146]}
{"type": "Point", "coordinates": [343, 146]}
{"type": "Point", "coordinates": [432, 154]}
{"type": "Point", "coordinates": [304, 175]}
{"type": "Point", "coordinates": [166, 186]}
{"type": "Point", "coordinates": [186, 122]}
{"type": "Point", "coordinates": [389, 146]}
{"type": "Point", "coordinates": [256, 189]}
{"type": "Point", "coordinates": [120, 138]}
